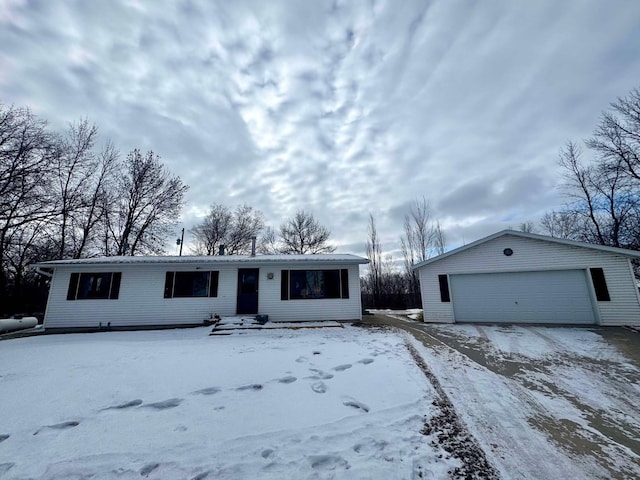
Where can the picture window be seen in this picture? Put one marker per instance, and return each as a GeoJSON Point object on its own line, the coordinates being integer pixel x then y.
{"type": "Point", "coordinates": [191, 284]}
{"type": "Point", "coordinates": [94, 286]}
{"type": "Point", "coordinates": [314, 284]}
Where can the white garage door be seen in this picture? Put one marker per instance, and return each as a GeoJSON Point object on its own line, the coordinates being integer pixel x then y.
{"type": "Point", "coordinates": [560, 296]}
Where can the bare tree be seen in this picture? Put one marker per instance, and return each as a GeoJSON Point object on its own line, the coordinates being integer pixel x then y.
{"type": "Point", "coordinates": [527, 227]}
{"type": "Point", "coordinates": [233, 229]}
{"type": "Point", "coordinates": [303, 234]}
{"type": "Point", "coordinates": [603, 202]}
{"type": "Point", "coordinates": [149, 202]}
{"type": "Point", "coordinates": [91, 218]}
{"type": "Point", "coordinates": [562, 224]}
{"type": "Point", "coordinates": [603, 196]}
{"type": "Point", "coordinates": [74, 167]}
{"type": "Point", "coordinates": [422, 239]}
{"type": "Point", "coordinates": [247, 223]}
{"type": "Point", "coordinates": [213, 231]}
{"type": "Point", "coordinates": [26, 153]}
{"type": "Point", "coordinates": [616, 140]}
{"type": "Point", "coordinates": [268, 243]}
{"type": "Point", "coordinates": [374, 254]}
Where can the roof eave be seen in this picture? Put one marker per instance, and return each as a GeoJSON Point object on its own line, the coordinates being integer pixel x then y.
{"type": "Point", "coordinates": [261, 260]}
{"type": "Point", "coordinates": [534, 236]}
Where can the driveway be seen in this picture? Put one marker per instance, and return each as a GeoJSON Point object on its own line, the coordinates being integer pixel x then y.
{"type": "Point", "coordinates": [543, 402]}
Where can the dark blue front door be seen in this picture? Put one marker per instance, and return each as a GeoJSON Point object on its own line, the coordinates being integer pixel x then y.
{"type": "Point", "coordinates": [247, 291]}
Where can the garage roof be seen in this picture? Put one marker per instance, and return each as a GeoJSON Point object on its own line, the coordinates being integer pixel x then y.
{"type": "Point", "coordinates": [533, 236]}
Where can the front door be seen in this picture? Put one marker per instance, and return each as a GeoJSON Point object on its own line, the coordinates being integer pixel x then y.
{"type": "Point", "coordinates": [247, 291]}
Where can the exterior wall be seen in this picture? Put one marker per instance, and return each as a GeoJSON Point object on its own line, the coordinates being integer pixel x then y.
{"type": "Point", "coordinates": [141, 300]}
{"type": "Point", "coordinates": [535, 255]}
{"type": "Point", "coordinates": [297, 310]}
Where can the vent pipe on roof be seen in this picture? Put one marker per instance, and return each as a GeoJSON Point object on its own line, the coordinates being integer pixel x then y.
{"type": "Point", "coordinates": [221, 250]}
{"type": "Point", "coordinates": [253, 246]}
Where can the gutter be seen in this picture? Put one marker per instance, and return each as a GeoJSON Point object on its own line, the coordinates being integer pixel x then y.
{"type": "Point", "coordinates": [41, 271]}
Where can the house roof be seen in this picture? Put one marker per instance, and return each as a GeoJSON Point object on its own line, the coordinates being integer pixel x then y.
{"type": "Point", "coordinates": [533, 236]}
{"type": "Point", "coordinates": [212, 259]}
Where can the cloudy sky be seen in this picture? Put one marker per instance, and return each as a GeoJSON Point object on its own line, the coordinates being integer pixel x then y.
{"type": "Point", "coordinates": [340, 108]}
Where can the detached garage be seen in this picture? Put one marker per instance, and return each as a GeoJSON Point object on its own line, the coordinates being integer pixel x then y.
{"type": "Point", "coordinates": [517, 277]}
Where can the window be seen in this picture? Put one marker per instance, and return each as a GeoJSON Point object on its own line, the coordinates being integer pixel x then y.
{"type": "Point", "coordinates": [445, 296]}
{"type": "Point", "coordinates": [94, 286]}
{"type": "Point", "coordinates": [191, 284]}
{"type": "Point", "coordinates": [600, 285]}
{"type": "Point", "coordinates": [314, 284]}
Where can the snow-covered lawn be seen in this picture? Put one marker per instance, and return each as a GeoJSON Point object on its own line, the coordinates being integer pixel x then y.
{"type": "Point", "coordinates": [318, 403]}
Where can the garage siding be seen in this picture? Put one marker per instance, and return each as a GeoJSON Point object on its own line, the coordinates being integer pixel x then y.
{"type": "Point", "coordinates": [530, 255]}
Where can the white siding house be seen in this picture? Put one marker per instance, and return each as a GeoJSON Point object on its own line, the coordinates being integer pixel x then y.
{"type": "Point", "coordinates": [125, 292]}
{"type": "Point", "coordinates": [517, 277]}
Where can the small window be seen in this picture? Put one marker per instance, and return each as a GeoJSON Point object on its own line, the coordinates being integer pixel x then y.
{"type": "Point", "coordinates": [191, 284]}
{"type": "Point", "coordinates": [94, 286]}
{"type": "Point", "coordinates": [314, 284]}
{"type": "Point", "coordinates": [444, 288]}
{"type": "Point", "coordinates": [600, 285]}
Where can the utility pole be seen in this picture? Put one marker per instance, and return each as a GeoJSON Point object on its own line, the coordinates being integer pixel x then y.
{"type": "Point", "coordinates": [180, 241]}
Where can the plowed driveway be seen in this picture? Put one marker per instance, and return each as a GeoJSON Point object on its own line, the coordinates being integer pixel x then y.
{"type": "Point", "coordinates": [543, 402]}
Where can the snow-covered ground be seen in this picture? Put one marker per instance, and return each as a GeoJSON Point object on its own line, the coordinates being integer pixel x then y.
{"type": "Point", "coordinates": [319, 403]}
{"type": "Point", "coordinates": [542, 402]}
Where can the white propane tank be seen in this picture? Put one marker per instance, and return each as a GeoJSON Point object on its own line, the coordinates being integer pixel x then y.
{"type": "Point", "coordinates": [11, 324]}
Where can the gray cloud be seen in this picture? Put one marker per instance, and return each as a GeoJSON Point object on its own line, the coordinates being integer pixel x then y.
{"type": "Point", "coordinates": [340, 108]}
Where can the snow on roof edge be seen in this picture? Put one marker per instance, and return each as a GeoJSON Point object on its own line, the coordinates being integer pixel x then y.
{"type": "Point", "coordinates": [210, 259]}
{"type": "Point", "coordinates": [533, 236]}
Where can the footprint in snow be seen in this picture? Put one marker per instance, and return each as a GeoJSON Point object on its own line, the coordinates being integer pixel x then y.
{"type": "Point", "coordinates": [3, 437]}
{"type": "Point", "coordinates": [58, 426]}
{"type": "Point", "coordinates": [369, 445]}
{"type": "Point", "coordinates": [341, 368]}
{"type": "Point", "coordinates": [207, 391]}
{"type": "Point", "coordinates": [122, 406]}
{"type": "Point", "coordinates": [287, 379]}
{"type": "Point", "coordinates": [328, 462]}
{"type": "Point", "coordinates": [302, 359]}
{"type": "Point", "coordinates": [319, 387]}
{"type": "Point", "coordinates": [350, 402]}
{"type": "Point", "coordinates": [201, 476]}
{"type": "Point", "coordinates": [266, 453]}
{"type": "Point", "coordinates": [254, 387]}
{"type": "Point", "coordinates": [317, 352]}
{"type": "Point", "coordinates": [147, 469]}
{"type": "Point", "coordinates": [319, 374]}
{"type": "Point", "coordinates": [366, 361]}
{"type": "Point", "coordinates": [165, 404]}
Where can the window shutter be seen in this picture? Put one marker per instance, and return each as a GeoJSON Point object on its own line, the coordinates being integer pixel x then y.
{"type": "Point", "coordinates": [213, 284]}
{"type": "Point", "coordinates": [115, 285]}
{"type": "Point", "coordinates": [284, 285]}
{"type": "Point", "coordinates": [600, 285]}
{"type": "Point", "coordinates": [344, 281]}
{"type": "Point", "coordinates": [168, 285]}
{"type": "Point", "coordinates": [444, 288]}
{"type": "Point", "coordinates": [73, 286]}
